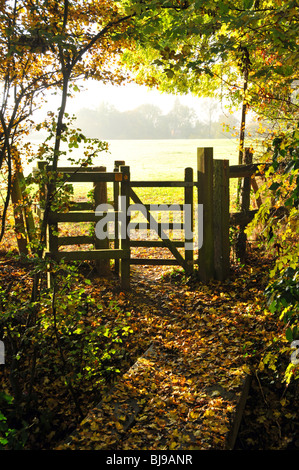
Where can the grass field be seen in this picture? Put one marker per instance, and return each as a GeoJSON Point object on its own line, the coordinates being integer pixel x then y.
{"type": "Point", "coordinates": [156, 160]}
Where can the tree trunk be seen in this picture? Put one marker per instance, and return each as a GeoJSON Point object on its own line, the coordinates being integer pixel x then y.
{"type": "Point", "coordinates": [20, 228]}
{"type": "Point", "coordinates": [242, 131]}
{"type": "Point", "coordinates": [28, 214]}
{"type": "Point", "coordinates": [243, 119]}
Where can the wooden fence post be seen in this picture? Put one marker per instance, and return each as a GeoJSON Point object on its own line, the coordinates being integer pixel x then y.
{"type": "Point", "coordinates": [116, 193]}
{"type": "Point", "coordinates": [205, 197]}
{"type": "Point", "coordinates": [100, 197]}
{"type": "Point", "coordinates": [125, 238]}
{"type": "Point", "coordinates": [188, 224]}
{"type": "Point", "coordinates": [221, 219]}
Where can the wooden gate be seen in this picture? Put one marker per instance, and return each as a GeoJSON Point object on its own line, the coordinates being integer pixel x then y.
{"type": "Point", "coordinates": [103, 250]}
{"type": "Point", "coordinates": [212, 185]}
{"type": "Point", "coordinates": [186, 225]}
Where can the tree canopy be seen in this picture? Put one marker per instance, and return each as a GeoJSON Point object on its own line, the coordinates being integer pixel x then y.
{"type": "Point", "coordinates": [241, 51]}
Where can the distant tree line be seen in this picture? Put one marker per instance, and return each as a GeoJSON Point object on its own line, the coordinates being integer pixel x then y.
{"type": "Point", "coordinates": [147, 121]}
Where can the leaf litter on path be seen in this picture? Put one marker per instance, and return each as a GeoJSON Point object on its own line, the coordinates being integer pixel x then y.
{"type": "Point", "coordinates": [183, 393]}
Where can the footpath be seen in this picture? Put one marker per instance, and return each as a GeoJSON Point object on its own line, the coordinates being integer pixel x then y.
{"type": "Point", "coordinates": [154, 408]}
{"type": "Point", "coordinates": [188, 390]}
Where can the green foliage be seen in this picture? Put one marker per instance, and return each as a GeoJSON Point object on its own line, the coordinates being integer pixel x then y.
{"type": "Point", "coordinates": [92, 346]}
{"type": "Point", "coordinates": [207, 47]}
{"type": "Point", "coordinates": [279, 214]}
{"type": "Point", "coordinates": [283, 298]}
{"type": "Point", "coordinates": [68, 342]}
{"type": "Point", "coordinates": [9, 437]}
{"type": "Point", "coordinates": [286, 151]}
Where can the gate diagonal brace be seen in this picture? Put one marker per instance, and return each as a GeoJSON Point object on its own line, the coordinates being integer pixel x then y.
{"type": "Point", "coordinates": [152, 221]}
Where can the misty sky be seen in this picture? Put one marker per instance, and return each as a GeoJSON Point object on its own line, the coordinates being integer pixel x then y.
{"type": "Point", "coordinates": [123, 98]}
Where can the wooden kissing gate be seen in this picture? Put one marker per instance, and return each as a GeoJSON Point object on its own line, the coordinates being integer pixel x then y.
{"type": "Point", "coordinates": [213, 258]}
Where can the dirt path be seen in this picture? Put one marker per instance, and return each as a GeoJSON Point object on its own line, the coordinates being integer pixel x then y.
{"type": "Point", "coordinates": [187, 391]}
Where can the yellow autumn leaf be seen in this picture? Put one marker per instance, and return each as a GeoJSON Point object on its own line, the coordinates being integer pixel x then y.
{"type": "Point", "coordinates": [283, 401]}
{"type": "Point", "coordinates": [118, 426]}
{"type": "Point", "coordinates": [222, 428]}
{"type": "Point", "coordinates": [173, 445]}
{"type": "Point", "coordinates": [194, 414]}
{"type": "Point", "coordinates": [94, 426]}
{"type": "Point", "coordinates": [209, 412]}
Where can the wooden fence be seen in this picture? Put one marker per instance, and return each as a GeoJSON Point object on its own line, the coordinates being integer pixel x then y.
{"type": "Point", "coordinates": [212, 185]}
